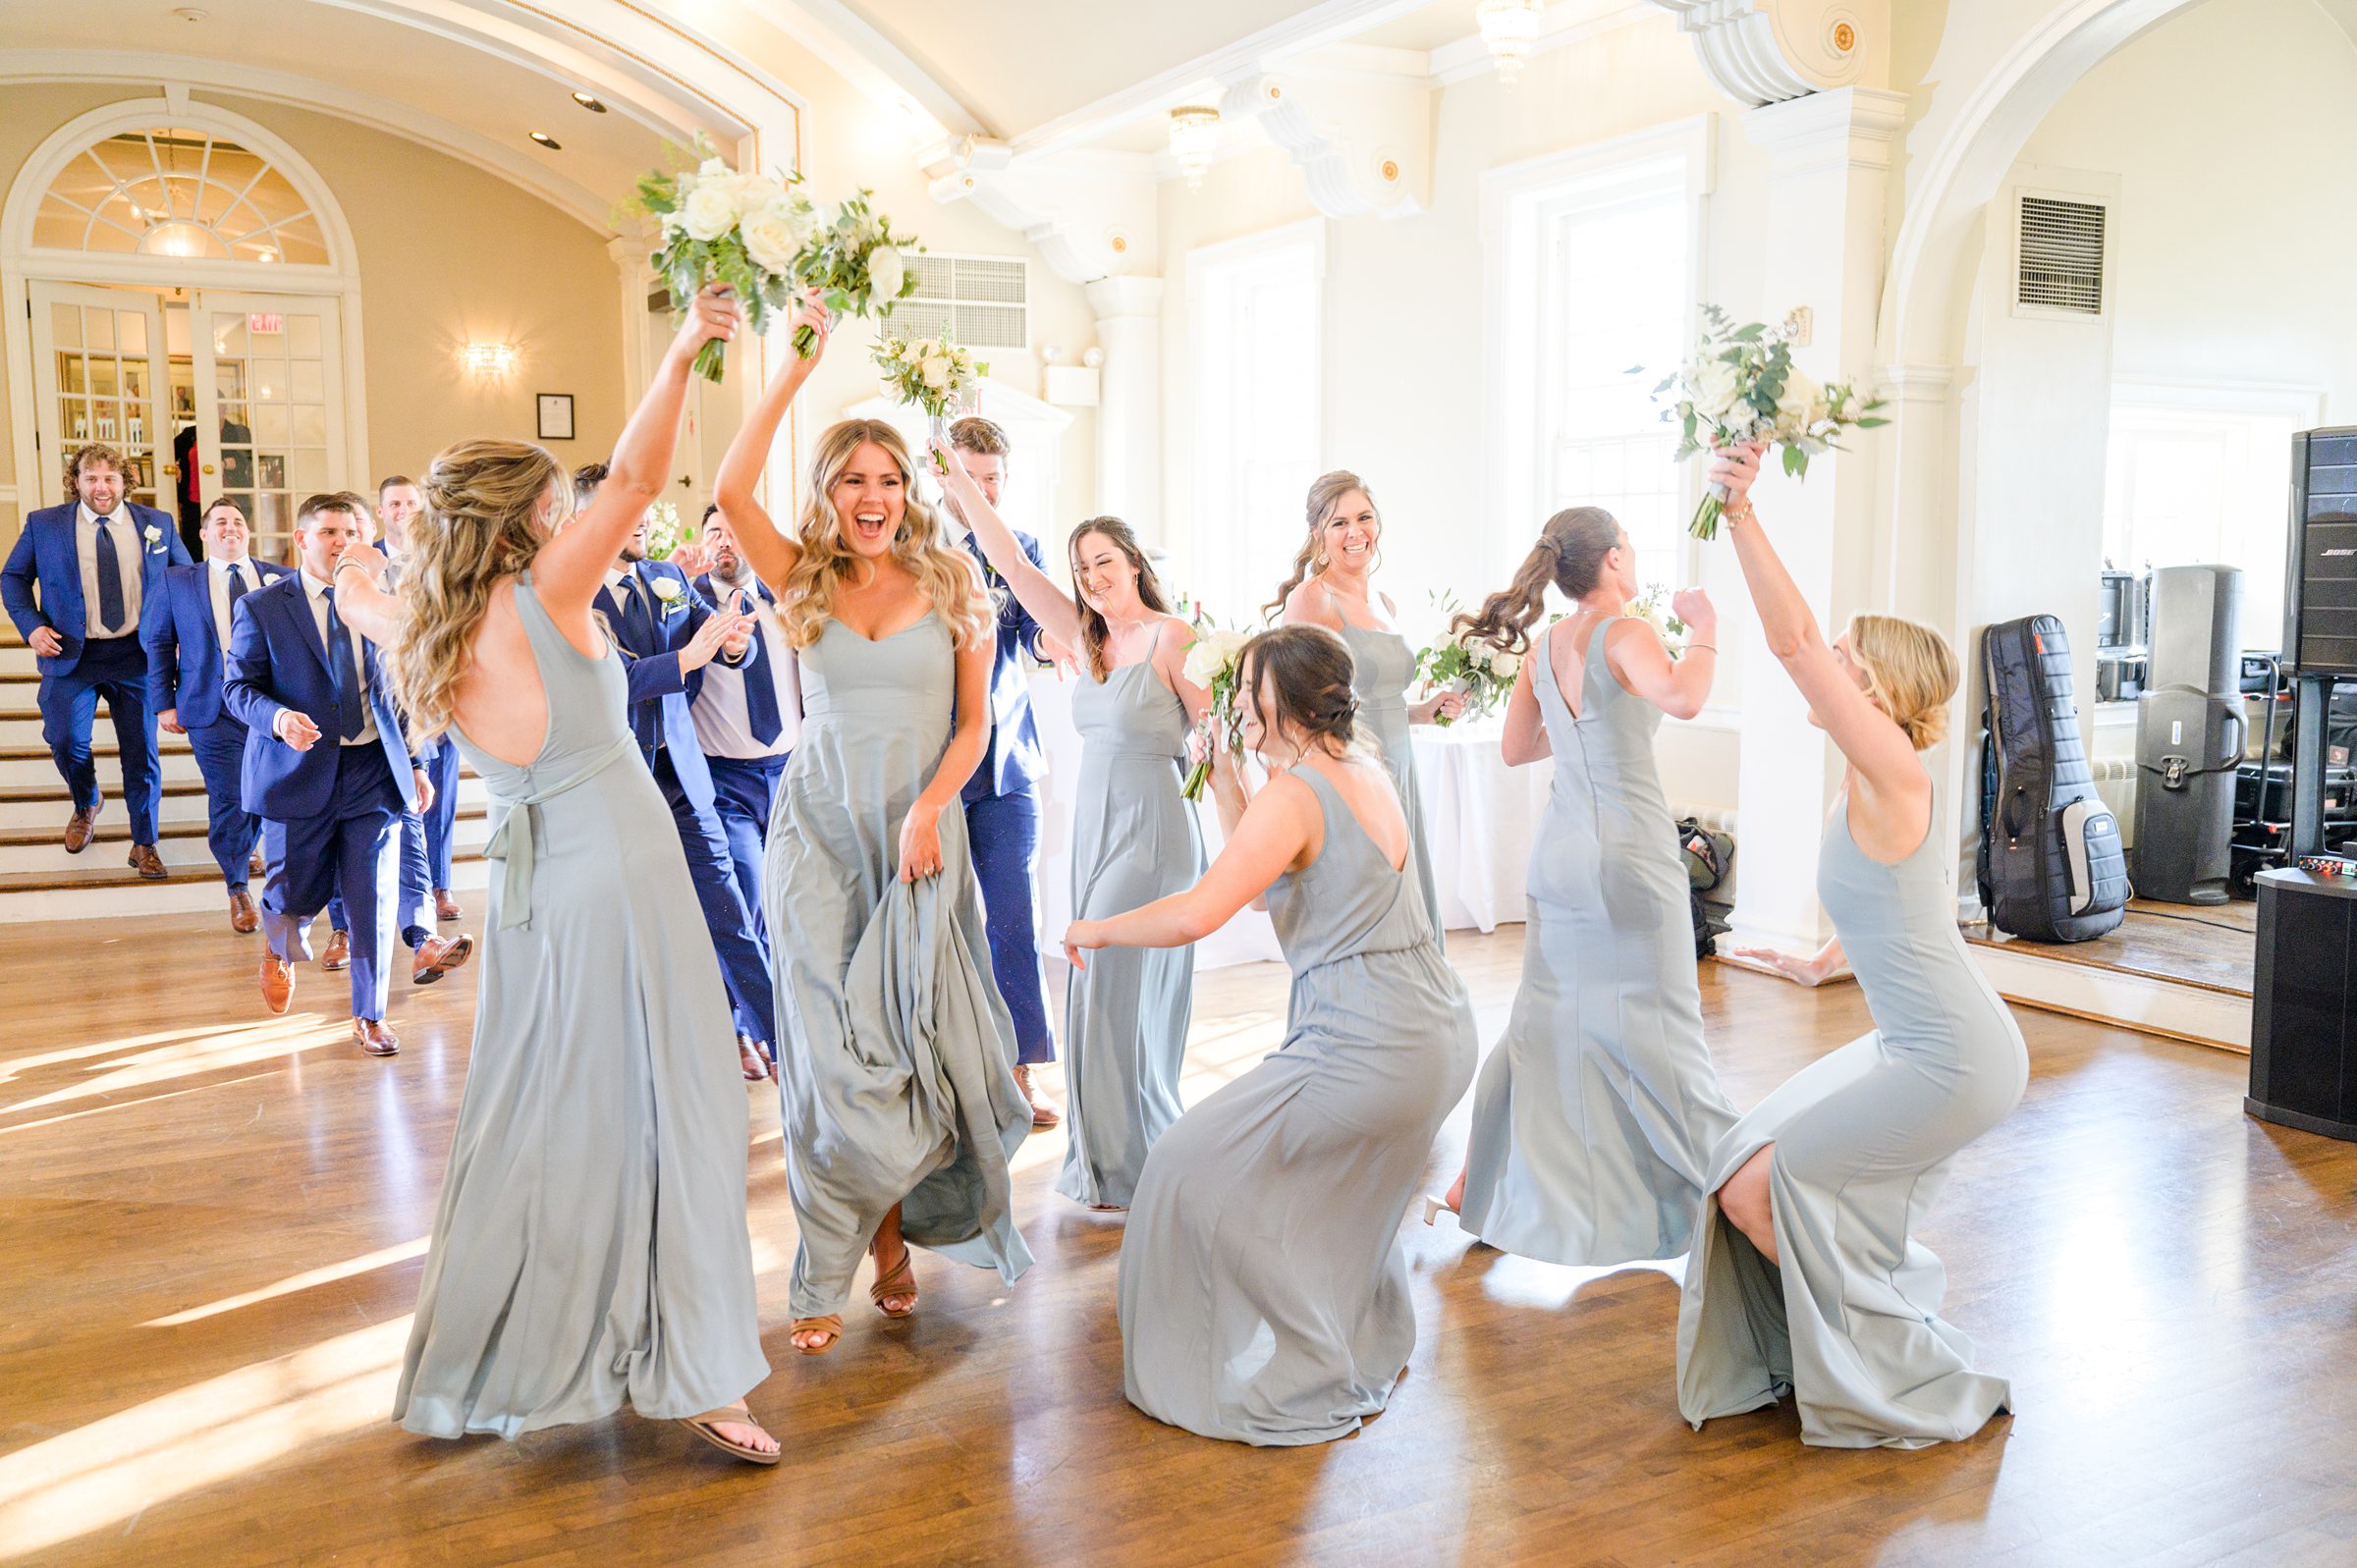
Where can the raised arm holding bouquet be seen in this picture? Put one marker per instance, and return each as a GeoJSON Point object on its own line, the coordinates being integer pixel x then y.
{"type": "Point", "coordinates": [852, 258]}
{"type": "Point", "coordinates": [746, 231]}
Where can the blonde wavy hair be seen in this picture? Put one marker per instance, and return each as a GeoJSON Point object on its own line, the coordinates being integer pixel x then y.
{"type": "Point", "coordinates": [1326, 494]}
{"type": "Point", "coordinates": [1910, 672]}
{"type": "Point", "coordinates": [482, 521]}
{"type": "Point", "coordinates": [945, 574]}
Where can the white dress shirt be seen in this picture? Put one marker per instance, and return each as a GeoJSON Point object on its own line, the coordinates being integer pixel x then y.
{"type": "Point", "coordinates": [217, 573]}
{"type": "Point", "coordinates": [129, 548]}
{"type": "Point", "coordinates": [316, 592]}
{"type": "Point", "coordinates": [722, 726]}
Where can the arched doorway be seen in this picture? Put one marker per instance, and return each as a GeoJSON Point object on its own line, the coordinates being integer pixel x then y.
{"type": "Point", "coordinates": [192, 299]}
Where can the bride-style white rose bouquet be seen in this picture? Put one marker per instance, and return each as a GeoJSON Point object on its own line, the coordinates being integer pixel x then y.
{"type": "Point", "coordinates": [932, 373]}
{"type": "Point", "coordinates": [1474, 667]}
{"type": "Point", "coordinates": [1653, 607]}
{"type": "Point", "coordinates": [1211, 663]}
{"type": "Point", "coordinates": [852, 258]}
{"type": "Point", "coordinates": [747, 230]}
{"type": "Point", "coordinates": [1741, 384]}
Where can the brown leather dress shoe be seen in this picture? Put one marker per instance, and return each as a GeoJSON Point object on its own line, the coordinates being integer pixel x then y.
{"type": "Point", "coordinates": [1043, 1115]}
{"type": "Point", "coordinates": [374, 1037]}
{"type": "Point", "coordinates": [278, 982]}
{"type": "Point", "coordinates": [146, 862]}
{"type": "Point", "coordinates": [80, 828]}
{"type": "Point", "coordinates": [446, 908]}
{"type": "Point", "coordinates": [437, 956]}
{"type": "Point", "coordinates": [243, 918]}
{"type": "Point", "coordinates": [339, 951]}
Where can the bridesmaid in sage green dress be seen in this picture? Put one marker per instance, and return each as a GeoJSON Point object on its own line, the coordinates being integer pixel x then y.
{"type": "Point", "coordinates": [590, 1248]}
{"type": "Point", "coordinates": [1333, 586]}
{"type": "Point", "coordinates": [901, 1105]}
{"type": "Point", "coordinates": [1806, 1275]}
{"type": "Point", "coordinates": [1135, 838]}
{"type": "Point", "coordinates": [1596, 1113]}
{"type": "Point", "coordinates": [1262, 1295]}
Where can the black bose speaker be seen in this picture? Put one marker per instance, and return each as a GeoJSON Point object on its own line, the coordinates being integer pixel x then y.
{"type": "Point", "coordinates": [2320, 591]}
{"type": "Point", "coordinates": [2303, 1005]}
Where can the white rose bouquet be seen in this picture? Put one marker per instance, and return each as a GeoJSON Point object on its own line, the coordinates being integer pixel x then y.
{"type": "Point", "coordinates": [744, 230]}
{"type": "Point", "coordinates": [1211, 663]}
{"type": "Point", "coordinates": [664, 533]}
{"type": "Point", "coordinates": [852, 258]}
{"type": "Point", "coordinates": [1475, 668]}
{"type": "Point", "coordinates": [1653, 607]}
{"type": "Point", "coordinates": [1742, 386]}
{"type": "Point", "coordinates": [933, 373]}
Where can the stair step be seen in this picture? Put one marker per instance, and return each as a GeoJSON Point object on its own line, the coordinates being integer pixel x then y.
{"type": "Point", "coordinates": [115, 830]}
{"type": "Point", "coordinates": [113, 873]}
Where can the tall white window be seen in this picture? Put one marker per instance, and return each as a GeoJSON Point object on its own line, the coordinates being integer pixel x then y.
{"type": "Point", "coordinates": [2201, 474]}
{"type": "Point", "coordinates": [1595, 266]}
{"type": "Point", "coordinates": [1253, 307]}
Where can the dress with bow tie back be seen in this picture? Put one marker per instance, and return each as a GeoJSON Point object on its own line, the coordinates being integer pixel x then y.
{"type": "Point", "coordinates": [896, 1074]}
{"type": "Point", "coordinates": [591, 1250]}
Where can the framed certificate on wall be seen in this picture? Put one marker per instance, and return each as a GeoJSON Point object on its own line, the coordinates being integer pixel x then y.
{"type": "Point", "coordinates": [556, 417]}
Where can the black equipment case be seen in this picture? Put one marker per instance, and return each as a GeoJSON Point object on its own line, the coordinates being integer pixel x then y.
{"type": "Point", "coordinates": [2050, 863]}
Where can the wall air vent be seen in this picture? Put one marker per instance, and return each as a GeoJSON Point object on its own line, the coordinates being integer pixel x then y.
{"type": "Point", "coordinates": [2058, 266]}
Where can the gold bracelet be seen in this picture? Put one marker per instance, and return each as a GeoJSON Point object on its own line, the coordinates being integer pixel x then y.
{"type": "Point", "coordinates": [1740, 512]}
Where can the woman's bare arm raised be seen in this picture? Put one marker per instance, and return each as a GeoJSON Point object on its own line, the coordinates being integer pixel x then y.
{"type": "Point", "coordinates": [1037, 592]}
{"type": "Point", "coordinates": [772, 555]}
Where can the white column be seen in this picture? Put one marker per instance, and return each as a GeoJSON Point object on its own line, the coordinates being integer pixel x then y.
{"type": "Point", "coordinates": [1129, 408]}
{"type": "Point", "coordinates": [629, 262]}
{"type": "Point", "coordinates": [1830, 158]}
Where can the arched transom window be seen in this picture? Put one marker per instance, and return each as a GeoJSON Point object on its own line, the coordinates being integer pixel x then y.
{"type": "Point", "coordinates": [166, 192]}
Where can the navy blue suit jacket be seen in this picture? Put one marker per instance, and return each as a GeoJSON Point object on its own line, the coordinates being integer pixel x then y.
{"type": "Point", "coordinates": [277, 661]}
{"type": "Point", "coordinates": [183, 653]}
{"type": "Point", "coordinates": [46, 560]}
{"type": "Point", "coordinates": [1014, 760]}
{"type": "Point", "coordinates": [654, 670]}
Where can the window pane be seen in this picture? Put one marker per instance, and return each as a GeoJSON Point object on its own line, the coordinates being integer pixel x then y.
{"type": "Point", "coordinates": [102, 330]}
{"type": "Point", "coordinates": [310, 384]}
{"type": "Point", "coordinates": [135, 333]}
{"type": "Point", "coordinates": [310, 427]}
{"type": "Point", "coordinates": [303, 337]}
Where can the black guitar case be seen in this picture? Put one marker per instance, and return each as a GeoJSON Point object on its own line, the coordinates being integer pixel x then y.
{"type": "Point", "coordinates": [2049, 864]}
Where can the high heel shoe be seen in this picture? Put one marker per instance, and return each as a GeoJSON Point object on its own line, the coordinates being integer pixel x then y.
{"type": "Point", "coordinates": [900, 1281]}
{"type": "Point", "coordinates": [1434, 1208]}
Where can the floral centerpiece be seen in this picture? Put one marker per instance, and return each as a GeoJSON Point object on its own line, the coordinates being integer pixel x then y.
{"type": "Point", "coordinates": [1474, 667]}
{"type": "Point", "coordinates": [852, 258]}
{"type": "Point", "coordinates": [1211, 663]}
{"type": "Point", "coordinates": [1741, 384]}
{"type": "Point", "coordinates": [1653, 608]}
{"type": "Point", "coordinates": [747, 230]}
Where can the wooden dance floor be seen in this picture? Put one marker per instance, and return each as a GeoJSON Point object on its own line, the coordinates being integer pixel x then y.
{"type": "Point", "coordinates": [214, 1223]}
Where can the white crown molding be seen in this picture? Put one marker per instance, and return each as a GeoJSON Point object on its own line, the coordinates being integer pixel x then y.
{"type": "Point", "coordinates": [1342, 179]}
{"type": "Point", "coordinates": [178, 73]}
{"type": "Point", "coordinates": [847, 42]}
{"type": "Point", "coordinates": [1767, 51]}
{"type": "Point", "coordinates": [1326, 22]}
{"type": "Point", "coordinates": [1849, 127]}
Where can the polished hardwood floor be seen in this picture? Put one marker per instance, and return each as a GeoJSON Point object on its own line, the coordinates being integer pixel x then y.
{"type": "Point", "coordinates": [213, 1222]}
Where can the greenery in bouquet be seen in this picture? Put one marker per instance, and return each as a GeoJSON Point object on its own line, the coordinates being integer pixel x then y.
{"type": "Point", "coordinates": [1475, 668]}
{"type": "Point", "coordinates": [747, 230]}
{"type": "Point", "coordinates": [931, 373]}
{"type": "Point", "coordinates": [664, 531]}
{"type": "Point", "coordinates": [852, 258]}
{"type": "Point", "coordinates": [1741, 384]}
{"type": "Point", "coordinates": [1653, 607]}
{"type": "Point", "coordinates": [1211, 663]}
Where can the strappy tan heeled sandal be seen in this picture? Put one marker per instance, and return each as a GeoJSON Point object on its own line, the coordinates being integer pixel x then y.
{"type": "Point", "coordinates": [708, 1429]}
{"type": "Point", "coordinates": [831, 1326]}
{"type": "Point", "coordinates": [900, 1281]}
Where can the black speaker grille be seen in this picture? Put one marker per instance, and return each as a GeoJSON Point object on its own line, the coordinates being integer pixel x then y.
{"type": "Point", "coordinates": [2324, 599]}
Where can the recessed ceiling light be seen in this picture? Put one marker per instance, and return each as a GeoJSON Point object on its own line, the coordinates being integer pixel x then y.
{"type": "Point", "coordinates": [589, 103]}
{"type": "Point", "coordinates": [191, 13]}
{"type": "Point", "coordinates": [548, 142]}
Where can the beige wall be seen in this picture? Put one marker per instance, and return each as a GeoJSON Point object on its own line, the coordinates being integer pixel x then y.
{"type": "Point", "coordinates": [447, 254]}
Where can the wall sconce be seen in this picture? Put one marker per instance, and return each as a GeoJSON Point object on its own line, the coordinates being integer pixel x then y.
{"type": "Point", "coordinates": [488, 359]}
{"type": "Point", "coordinates": [1194, 139]}
{"type": "Point", "coordinates": [1510, 28]}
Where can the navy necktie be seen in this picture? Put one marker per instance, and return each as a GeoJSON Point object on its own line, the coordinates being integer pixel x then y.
{"type": "Point", "coordinates": [110, 580]}
{"type": "Point", "coordinates": [761, 687]}
{"type": "Point", "coordinates": [637, 621]}
{"type": "Point", "coordinates": [239, 587]}
{"type": "Point", "coordinates": [342, 675]}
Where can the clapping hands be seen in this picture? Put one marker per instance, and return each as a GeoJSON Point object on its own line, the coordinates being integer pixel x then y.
{"type": "Point", "coordinates": [728, 632]}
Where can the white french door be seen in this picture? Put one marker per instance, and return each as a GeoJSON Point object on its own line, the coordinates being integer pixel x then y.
{"type": "Point", "coordinates": [99, 372]}
{"type": "Point", "coordinates": [269, 406]}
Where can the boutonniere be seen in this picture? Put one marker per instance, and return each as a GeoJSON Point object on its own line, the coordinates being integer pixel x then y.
{"type": "Point", "coordinates": [668, 590]}
{"type": "Point", "coordinates": [154, 536]}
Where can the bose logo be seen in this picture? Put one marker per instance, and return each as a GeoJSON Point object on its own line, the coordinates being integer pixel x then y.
{"type": "Point", "coordinates": [2331, 554]}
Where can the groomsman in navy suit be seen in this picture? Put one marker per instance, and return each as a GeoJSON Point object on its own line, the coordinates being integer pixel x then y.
{"type": "Point", "coordinates": [327, 769]}
{"type": "Point", "coordinates": [1002, 800]}
{"type": "Point", "coordinates": [187, 633]}
{"type": "Point", "coordinates": [76, 585]}
{"type": "Point", "coordinates": [669, 635]}
{"type": "Point", "coordinates": [746, 718]}
{"type": "Point", "coordinates": [426, 838]}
